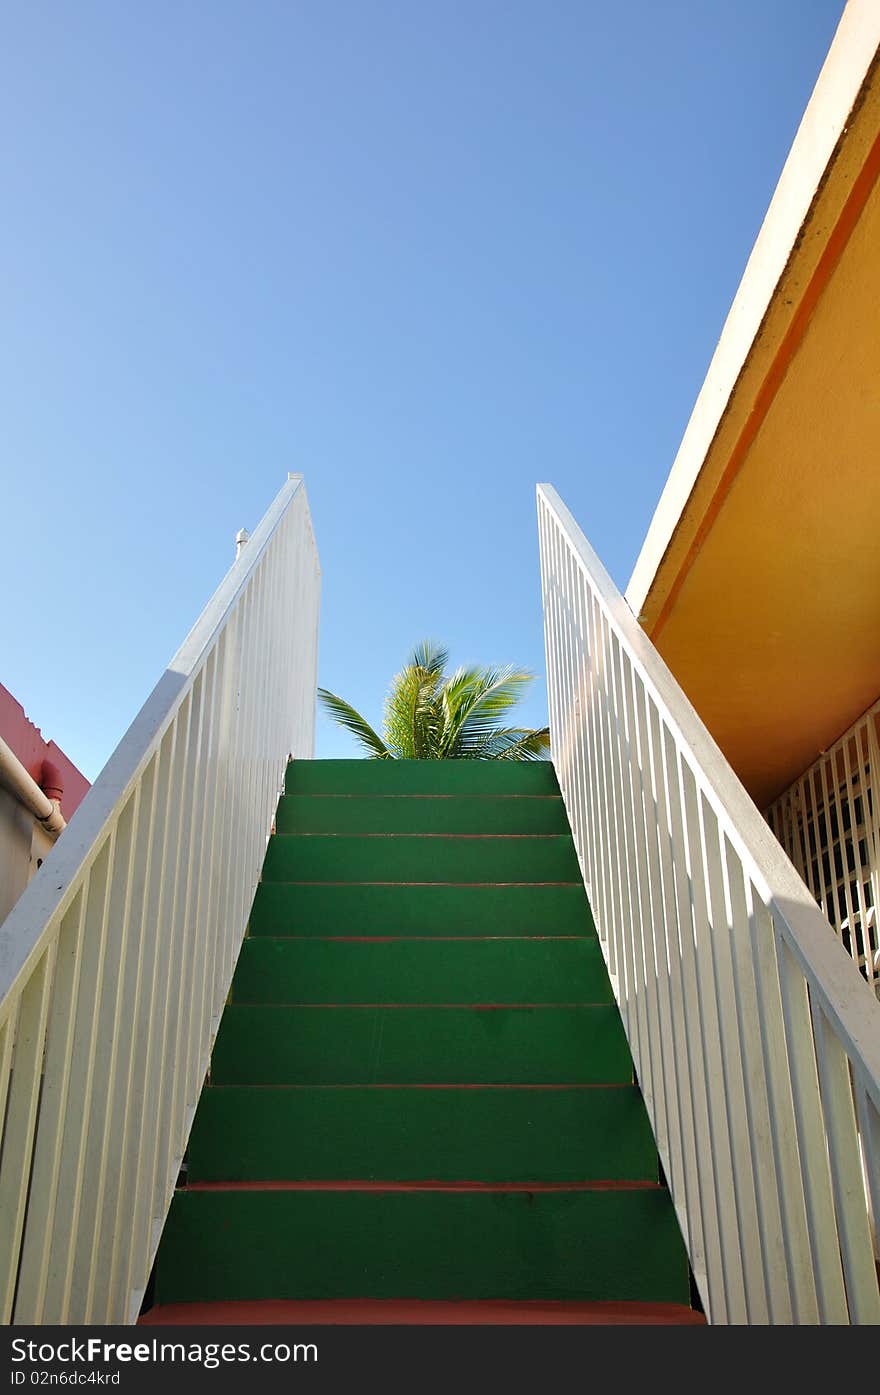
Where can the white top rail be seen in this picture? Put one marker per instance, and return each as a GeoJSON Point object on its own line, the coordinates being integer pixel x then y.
{"type": "Point", "coordinates": [755, 1039]}
{"type": "Point", "coordinates": [116, 961]}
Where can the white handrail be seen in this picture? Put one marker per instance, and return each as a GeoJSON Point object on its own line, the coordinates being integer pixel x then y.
{"type": "Point", "coordinates": [116, 961]}
{"type": "Point", "coordinates": [756, 1041]}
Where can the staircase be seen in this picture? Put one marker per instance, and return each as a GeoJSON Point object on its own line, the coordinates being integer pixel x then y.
{"type": "Point", "coordinates": [421, 1103]}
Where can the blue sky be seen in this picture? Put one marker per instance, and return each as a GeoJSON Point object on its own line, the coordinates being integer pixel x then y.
{"type": "Point", "coordinates": [427, 254]}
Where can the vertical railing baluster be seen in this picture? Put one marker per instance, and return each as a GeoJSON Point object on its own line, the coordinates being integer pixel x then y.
{"type": "Point", "coordinates": [35, 1256]}
{"type": "Point", "coordinates": [80, 1080]}
{"type": "Point", "coordinates": [859, 1267]}
{"type": "Point", "coordinates": [21, 1116]}
{"type": "Point", "coordinates": [107, 1028]}
{"type": "Point", "coordinates": [113, 1214]}
{"type": "Point", "coordinates": [767, 1218]}
{"type": "Point", "coordinates": [721, 1144]}
{"type": "Point", "coordinates": [134, 1210]}
{"type": "Point", "coordinates": [689, 1034]}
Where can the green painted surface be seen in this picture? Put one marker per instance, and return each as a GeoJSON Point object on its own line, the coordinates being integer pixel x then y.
{"type": "Point", "coordinates": [419, 1045]}
{"type": "Point", "coordinates": [420, 777]}
{"type": "Point", "coordinates": [486, 1134]}
{"type": "Point", "coordinates": [400, 858]}
{"type": "Point", "coordinates": [585, 1245]}
{"type": "Point", "coordinates": [284, 909]}
{"type": "Point", "coordinates": [420, 814]}
{"type": "Point", "coordinates": [329, 1093]}
{"type": "Point", "coordinates": [420, 971]}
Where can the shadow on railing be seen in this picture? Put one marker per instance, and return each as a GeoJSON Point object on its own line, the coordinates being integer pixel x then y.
{"type": "Point", "coordinates": [755, 1040]}
{"type": "Point", "coordinates": [116, 962]}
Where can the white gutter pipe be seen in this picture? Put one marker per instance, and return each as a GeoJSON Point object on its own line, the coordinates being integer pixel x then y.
{"type": "Point", "coordinates": [13, 775]}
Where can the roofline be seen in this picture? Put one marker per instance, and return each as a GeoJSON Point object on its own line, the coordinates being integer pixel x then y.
{"type": "Point", "coordinates": [852, 54]}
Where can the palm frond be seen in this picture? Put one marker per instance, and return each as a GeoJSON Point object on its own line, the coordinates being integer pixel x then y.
{"type": "Point", "coordinates": [509, 743]}
{"type": "Point", "coordinates": [432, 657]}
{"type": "Point", "coordinates": [488, 698]}
{"type": "Point", "coordinates": [531, 745]}
{"type": "Point", "coordinates": [456, 697]}
{"type": "Point", "coordinates": [410, 719]}
{"type": "Point", "coordinates": [343, 713]}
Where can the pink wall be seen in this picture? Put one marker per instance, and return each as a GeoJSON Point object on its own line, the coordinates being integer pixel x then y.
{"type": "Point", "coordinates": [19, 732]}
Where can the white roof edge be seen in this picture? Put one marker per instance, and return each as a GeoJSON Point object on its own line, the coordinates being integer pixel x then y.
{"type": "Point", "coordinates": [843, 73]}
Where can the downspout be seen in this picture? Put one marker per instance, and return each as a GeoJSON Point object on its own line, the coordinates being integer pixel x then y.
{"type": "Point", "coordinates": [45, 805]}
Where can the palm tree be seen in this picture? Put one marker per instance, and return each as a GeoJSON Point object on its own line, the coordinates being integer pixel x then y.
{"type": "Point", "coordinates": [431, 716]}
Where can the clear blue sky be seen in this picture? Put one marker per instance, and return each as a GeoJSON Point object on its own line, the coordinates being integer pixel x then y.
{"type": "Point", "coordinates": [426, 253]}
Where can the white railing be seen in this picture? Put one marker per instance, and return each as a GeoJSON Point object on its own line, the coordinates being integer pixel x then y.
{"type": "Point", "coordinates": [828, 821]}
{"type": "Point", "coordinates": [116, 962]}
{"type": "Point", "coordinates": [756, 1041]}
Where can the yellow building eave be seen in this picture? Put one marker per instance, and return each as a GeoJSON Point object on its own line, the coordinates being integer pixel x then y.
{"type": "Point", "coordinates": [759, 579]}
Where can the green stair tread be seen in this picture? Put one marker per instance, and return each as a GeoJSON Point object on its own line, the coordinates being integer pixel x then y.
{"type": "Point", "coordinates": [309, 1090]}
{"type": "Point", "coordinates": [437, 777]}
{"type": "Point", "coordinates": [589, 1245]}
{"type": "Point", "coordinates": [420, 858]}
{"type": "Point", "coordinates": [483, 1134]}
{"type": "Point", "coordinates": [283, 908]}
{"type": "Point", "coordinates": [274, 1045]}
{"type": "Point", "coordinates": [306, 813]}
{"type": "Point", "coordinates": [420, 971]}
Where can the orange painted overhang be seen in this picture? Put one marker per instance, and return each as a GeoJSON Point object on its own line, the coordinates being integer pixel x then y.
{"type": "Point", "coordinates": [759, 579]}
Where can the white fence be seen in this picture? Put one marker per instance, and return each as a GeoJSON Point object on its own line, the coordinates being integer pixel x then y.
{"type": "Point", "coordinates": [755, 1039]}
{"type": "Point", "coordinates": [828, 821]}
{"type": "Point", "coordinates": [116, 962]}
